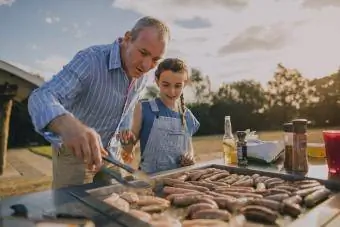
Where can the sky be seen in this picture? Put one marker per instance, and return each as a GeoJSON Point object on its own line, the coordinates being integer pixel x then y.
{"type": "Point", "coordinates": [228, 40]}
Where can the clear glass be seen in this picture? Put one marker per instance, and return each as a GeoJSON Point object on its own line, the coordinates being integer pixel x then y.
{"type": "Point", "coordinates": [332, 146]}
{"type": "Point", "coordinates": [229, 145]}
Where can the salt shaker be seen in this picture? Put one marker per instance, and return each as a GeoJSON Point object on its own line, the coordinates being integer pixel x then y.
{"type": "Point", "coordinates": [300, 159]}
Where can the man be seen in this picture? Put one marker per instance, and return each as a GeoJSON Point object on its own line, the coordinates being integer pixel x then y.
{"type": "Point", "coordinates": [92, 97]}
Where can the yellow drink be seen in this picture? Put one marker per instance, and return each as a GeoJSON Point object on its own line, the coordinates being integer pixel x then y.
{"type": "Point", "coordinates": [229, 150]}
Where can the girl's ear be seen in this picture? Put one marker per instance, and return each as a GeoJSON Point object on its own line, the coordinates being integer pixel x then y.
{"type": "Point", "coordinates": [157, 81]}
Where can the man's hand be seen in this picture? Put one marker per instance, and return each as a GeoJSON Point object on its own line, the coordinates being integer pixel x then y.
{"type": "Point", "coordinates": [187, 160]}
{"type": "Point", "coordinates": [83, 141]}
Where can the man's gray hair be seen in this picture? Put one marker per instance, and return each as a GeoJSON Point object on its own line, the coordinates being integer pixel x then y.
{"type": "Point", "coordinates": [144, 22]}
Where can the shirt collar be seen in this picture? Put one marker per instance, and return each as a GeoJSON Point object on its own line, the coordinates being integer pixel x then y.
{"type": "Point", "coordinates": [115, 60]}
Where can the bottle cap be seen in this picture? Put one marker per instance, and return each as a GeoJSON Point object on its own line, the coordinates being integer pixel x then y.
{"type": "Point", "coordinates": [227, 117]}
{"type": "Point", "coordinates": [288, 127]}
{"type": "Point", "coordinates": [241, 135]}
{"type": "Point", "coordinates": [299, 125]}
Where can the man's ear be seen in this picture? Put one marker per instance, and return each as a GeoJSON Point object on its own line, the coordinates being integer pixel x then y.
{"type": "Point", "coordinates": [127, 36]}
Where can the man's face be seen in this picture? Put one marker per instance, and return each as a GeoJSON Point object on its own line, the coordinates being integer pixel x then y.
{"type": "Point", "coordinates": [144, 53]}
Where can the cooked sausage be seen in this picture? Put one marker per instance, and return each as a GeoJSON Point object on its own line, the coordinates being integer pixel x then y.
{"type": "Point", "coordinates": [247, 182]}
{"type": "Point", "coordinates": [316, 197]}
{"type": "Point", "coordinates": [260, 187]}
{"type": "Point", "coordinates": [146, 200]}
{"type": "Point", "coordinates": [304, 186]}
{"type": "Point", "coordinates": [274, 191]}
{"type": "Point", "coordinates": [171, 182]}
{"type": "Point", "coordinates": [259, 213]}
{"type": "Point", "coordinates": [195, 175]}
{"type": "Point", "coordinates": [293, 199]}
{"type": "Point", "coordinates": [198, 206]}
{"type": "Point", "coordinates": [218, 176]}
{"type": "Point", "coordinates": [261, 179]}
{"type": "Point", "coordinates": [277, 197]}
{"type": "Point", "coordinates": [204, 223]}
{"type": "Point", "coordinates": [173, 190]}
{"type": "Point", "coordinates": [172, 196]}
{"type": "Point", "coordinates": [255, 175]}
{"type": "Point", "coordinates": [216, 194]}
{"type": "Point", "coordinates": [292, 209]}
{"type": "Point", "coordinates": [212, 214]}
{"type": "Point", "coordinates": [206, 175]}
{"type": "Point", "coordinates": [140, 215]}
{"type": "Point", "coordinates": [119, 203]}
{"type": "Point", "coordinates": [130, 197]}
{"type": "Point", "coordinates": [233, 189]}
{"type": "Point", "coordinates": [238, 194]}
{"type": "Point", "coordinates": [273, 179]}
{"type": "Point", "coordinates": [286, 187]}
{"type": "Point", "coordinates": [271, 204]}
{"type": "Point", "coordinates": [301, 182]}
{"type": "Point", "coordinates": [304, 192]}
{"type": "Point", "coordinates": [274, 183]}
{"type": "Point", "coordinates": [225, 202]}
{"type": "Point", "coordinates": [183, 177]}
{"type": "Point", "coordinates": [187, 200]}
{"type": "Point", "coordinates": [217, 183]}
{"type": "Point", "coordinates": [208, 200]}
{"type": "Point", "coordinates": [154, 208]}
{"type": "Point", "coordinates": [203, 184]}
{"type": "Point", "coordinates": [231, 180]}
{"type": "Point", "coordinates": [191, 187]}
{"type": "Point", "coordinates": [227, 178]}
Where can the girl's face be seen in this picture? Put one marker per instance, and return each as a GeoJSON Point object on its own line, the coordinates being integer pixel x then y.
{"type": "Point", "coordinates": [171, 85]}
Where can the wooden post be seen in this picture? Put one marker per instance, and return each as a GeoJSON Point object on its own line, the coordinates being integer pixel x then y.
{"type": "Point", "coordinates": [7, 92]}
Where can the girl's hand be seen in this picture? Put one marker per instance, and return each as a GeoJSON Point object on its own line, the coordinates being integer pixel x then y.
{"type": "Point", "coordinates": [187, 160]}
{"type": "Point", "coordinates": [127, 137]}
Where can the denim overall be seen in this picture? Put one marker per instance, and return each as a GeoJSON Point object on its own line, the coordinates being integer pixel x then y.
{"type": "Point", "coordinates": [166, 143]}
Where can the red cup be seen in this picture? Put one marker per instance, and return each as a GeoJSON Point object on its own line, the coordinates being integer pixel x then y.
{"type": "Point", "coordinates": [332, 146]}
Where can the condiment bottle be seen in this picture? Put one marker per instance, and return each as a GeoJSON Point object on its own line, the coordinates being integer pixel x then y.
{"type": "Point", "coordinates": [241, 148]}
{"type": "Point", "coordinates": [300, 158]}
{"type": "Point", "coordinates": [229, 148]}
{"type": "Point", "coordinates": [288, 146]}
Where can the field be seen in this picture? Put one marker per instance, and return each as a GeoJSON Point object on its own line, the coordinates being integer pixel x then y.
{"type": "Point", "coordinates": [206, 148]}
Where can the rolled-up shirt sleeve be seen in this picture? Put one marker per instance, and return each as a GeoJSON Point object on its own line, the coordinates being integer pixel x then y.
{"type": "Point", "coordinates": [48, 101]}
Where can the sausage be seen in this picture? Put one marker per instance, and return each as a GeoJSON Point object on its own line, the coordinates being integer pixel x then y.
{"type": "Point", "coordinates": [238, 194]}
{"type": "Point", "coordinates": [316, 197]}
{"type": "Point", "coordinates": [274, 183]}
{"type": "Point", "coordinates": [217, 183]}
{"type": "Point", "coordinates": [271, 204]}
{"type": "Point", "coordinates": [203, 184]}
{"type": "Point", "coordinates": [273, 179]}
{"type": "Point", "coordinates": [259, 213]}
{"type": "Point", "coordinates": [187, 200]}
{"type": "Point", "coordinates": [154, 208]}
{"type": "Point", "coordinates": [286, 187]}
{"type": "Point", "coordinates": [183, 177]}
{"type": "Point", "coordinates": [233, 189]}
{"type": "Point", "coordinates": [209, 201]}
{"type": "Point", "coordinates": [118, 202]}
{"type": "Point", "coordinates": [301, 182]}
{"type": "Point", "coordinates": [212, 214]}
{"type": "Point", "coordinates": [198, 206]}
{"type": "Point", "coordinates": [231, 180]}
{"type": "Point", "coordinates": [171, 182]}
{"type": "Point", "coordinates": [292, 209]}
{"type": "Point", "coordinates": [216, 194]}
{"type": "Point", "coordinates": [206, 175]}
{"type": "Point", "coordinates": [261, 179]}
{"type": "Point", "coordinates": [255, 175]}
{"type": "Point", "coordinates": [151, 200]}
{"type": "Point", "coordinates": [260, 187]}
{"type": "Point", "coordinates": [140, 215]}
{"type": "Point", "coordinates": [218, 176]}
{"type": "Point", "coordinates": [246, 182]}
{"type": "Point", "coordinates": [304, 192]}
{"type": "Point", "coordinates": [293, 199]}
{"type": "Point", "coordinates": [172, 196]}
{"type": "Point", "coordinates": [277, 197]}
{"type": "Point", "coordinates": [130, 197]}
{"type": "Point", "coordinates": [273, 191]}
{"type": "Point", "coordinates": [196, 175]}
{"type": "Point", "coordinates": [173, 190]}
{"type": "Point", "coordinates": [225, 202]}
{"type": "Point", "coordinates": [227, 178]}
{"type": "Point", "coordinates": [304, 186]}
{"type": "Point", "coordinates": [204, 223]}
{"type": "Point", "coordinates": [191, 187]}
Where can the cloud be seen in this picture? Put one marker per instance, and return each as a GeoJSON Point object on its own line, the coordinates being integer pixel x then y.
{"type": "Point", "coordinates": [51, 20]}
{"type": "Point", "coordinates": [317, 4]}
{"type": "Point", "coordinates": [196, 22]}
{"type": "Point", "coordinates": [230, 4]}
{"type": "Point", "coordinates": [75, 30]}
{"type": "Point", "coordinates": [256, 38]}
{"type": "Point", "coordinates": [6, 2]}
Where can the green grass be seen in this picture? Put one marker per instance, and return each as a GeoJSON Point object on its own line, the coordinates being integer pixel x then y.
{"type": "Point", "coordinates": [45, 151]}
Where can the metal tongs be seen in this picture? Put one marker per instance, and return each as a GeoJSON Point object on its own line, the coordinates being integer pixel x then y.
{"type": "Point", "coordinates": [134, 184]}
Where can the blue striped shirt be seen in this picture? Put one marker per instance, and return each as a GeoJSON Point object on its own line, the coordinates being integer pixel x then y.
{"type": "Point", "coordinates": [93, 87]}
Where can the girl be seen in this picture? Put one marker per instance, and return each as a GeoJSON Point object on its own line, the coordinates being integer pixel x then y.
{"type": "Point", "coordinates": [164, 125]}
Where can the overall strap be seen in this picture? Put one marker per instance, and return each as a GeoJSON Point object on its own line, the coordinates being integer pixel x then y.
{"type": "Point", "coordinates": [154, 107]}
